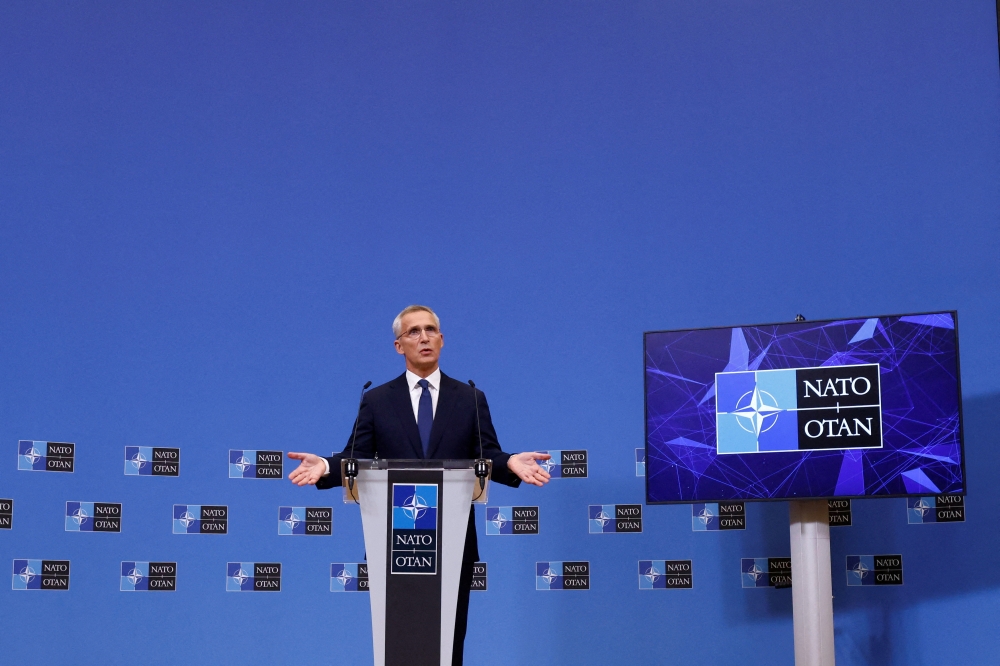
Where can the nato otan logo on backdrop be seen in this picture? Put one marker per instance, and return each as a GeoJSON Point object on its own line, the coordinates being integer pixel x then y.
{"type": "Point", "coordinates": [665, 575]}
{"type": "Point", "coordinates": [935, 509]}
{"type": "Point", "coordinates": [801, 409]}
{"type": "Point", "coordinates": [93, 517]}
{"type": "Point", "coordinates": [839, 511]}
{"type": "Point", "coordinates": [6, 514]}
{"type": "Point", "coordinates": [610, 518]}
{"type": "Point", "coordinates": [479, 582]}
{"type": "Point", "coordinates": [40, 575]}
{"type": "Point", "coordinates": [864, 570]}
{"type": "Point", "coordinates": [349, 577]}
{"type": "Point", "coordinates": [414, 528]}
{"type": "Point", "coordinates": [148, 577]}
{"type": "Point", "coordinates": [253, 577]}
{"type": "Point", "coordinates": [200, 519]}
{"type": "Point", "coordinates": [566, 464]}
{"type": "Point", "coordinates": [45, 456]}
{"type": "Point", "coordinates": [305, 520]}
{"type": "Point", "coordinates": [713, 516]}
{"type": "Point", "coordinates": [511, 520]}
{"type": "Point", "coordinates": [766, 571]}
{"type": "Point", "coordinates": [246, 464]}
{"type": "Point", "coordinates": [562, 575]}
{"type": "Point", "coordinates": [640, 462]}
{"type": "Point", "coordinates": [152, 461]}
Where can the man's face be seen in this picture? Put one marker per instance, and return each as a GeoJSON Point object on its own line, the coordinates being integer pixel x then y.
{"type": "Point", "coordinates": [420, 343]}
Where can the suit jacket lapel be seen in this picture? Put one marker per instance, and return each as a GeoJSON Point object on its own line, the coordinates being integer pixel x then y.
{"type": "Point", "coordinates": [442, 415]}
{"type": "Point", "coordinates": [404, 411]}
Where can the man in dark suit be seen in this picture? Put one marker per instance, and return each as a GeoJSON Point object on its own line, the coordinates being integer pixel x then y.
{"type": "Point", "coordinates": [423, 413]}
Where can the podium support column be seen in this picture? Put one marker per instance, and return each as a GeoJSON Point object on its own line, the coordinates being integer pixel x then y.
{"type": "Point", "coordinates": [812, 582]}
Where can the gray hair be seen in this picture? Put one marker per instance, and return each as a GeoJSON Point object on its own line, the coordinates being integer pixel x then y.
{"type": "Point", "coordinates": [397, 323]}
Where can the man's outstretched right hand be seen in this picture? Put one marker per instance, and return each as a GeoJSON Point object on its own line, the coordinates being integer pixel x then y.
{"type": "Point", "coordinates": [310, 470]}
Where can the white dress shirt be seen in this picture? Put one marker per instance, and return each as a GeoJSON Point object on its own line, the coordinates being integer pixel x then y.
{"type": "Point", "coordinates": [433, 385]}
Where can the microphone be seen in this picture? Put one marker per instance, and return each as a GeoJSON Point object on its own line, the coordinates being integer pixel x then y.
{"type": "Point", "coordinates": [481, 467]}
{"type": "Point", "coordinates": [351, 464]}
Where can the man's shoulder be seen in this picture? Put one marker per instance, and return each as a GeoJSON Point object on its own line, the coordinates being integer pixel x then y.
{"type": "Point", "coordinates": [383, 391]}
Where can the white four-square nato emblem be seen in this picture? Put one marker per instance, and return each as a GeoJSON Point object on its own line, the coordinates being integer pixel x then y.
{"type": "Point", "coordinates": [414, 528]}
{"type": "Point", "coordinates": [511, 520]}
{"type": "Point", "coordinates": [40, 575]}
{"type": "Point", "coordinates": [566, 464]}
{"type": "Point", "coordinates": [562, 575]}
{"type": "Point", "coordinates": [349, 577]}
{"type": "Point", "coordinates": [148, 576]}
{"type": "Point", "coordinates": [253, 577]}
{"type": "Point", "coordinates": [665, 575]}
{"type": "Point", "coordinates": [201, 519]}
{"type": "Point", "coordinates": [305, 520]}
{"type": "Point", "coordinates": [36, 456]}
{"type": "Point", "coordinates": [254, 464]}
{"type": "Point", "coordinates": [93, 517]}
{"type": "Point", "coordinates": [152, 461]}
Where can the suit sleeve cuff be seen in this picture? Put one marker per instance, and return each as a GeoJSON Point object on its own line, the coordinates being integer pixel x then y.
{"type": "Point", "coordinates": [326, 463]}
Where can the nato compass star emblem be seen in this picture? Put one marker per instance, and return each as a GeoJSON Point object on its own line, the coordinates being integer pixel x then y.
{"type": "Point", "coordinates": [344, 577]}
{"type": "Point", "coordinates": [500, 520]}
{"type": "Point", "coordinates": [243, 464]}
{"type": "Point", "coordinates": [415, 507]}
{"type": "Point", "coordinates": [922, 507]}
{"type": "Point", "coordinates": [241, 577]}
{"type": "Point", "coordinates": [652, 575]}
{"type": "Point", "coordinates": [186, 519]}
{"type": "Point", "coordinates": [603, 518]}
{"type": "Point", "coordinates": [134, 577]}
{"type": "Point", "coordinates": [860, 570]}
{"type": "Point", "coordinates": [292, 521]}
{"type": "Point", "coordinates": [138, 460]}
{"type": "Point", "coordinates": [27, 574]}
{"type": "Point", "coordinates": [757, 411]}
{"type": "Point", "coordinates": [549, 576]}
{"type": "Point", "coordinates": [79, 516]}
{"type": "Point", "coordinates": [547, 465]}
{"type": "Point", "coordinates": [756, 572]}
{"type": "Point", "coordinates": [705, 516]}
{"type": "Point", "coordinates": [33, 455]}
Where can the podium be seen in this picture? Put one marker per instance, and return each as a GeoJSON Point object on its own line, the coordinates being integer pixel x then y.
{"type": "Point", "coordinates": [415, 514]}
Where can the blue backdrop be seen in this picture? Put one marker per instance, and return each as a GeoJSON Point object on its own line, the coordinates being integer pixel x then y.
{"type": "Point", "coordinates": [210, 214]}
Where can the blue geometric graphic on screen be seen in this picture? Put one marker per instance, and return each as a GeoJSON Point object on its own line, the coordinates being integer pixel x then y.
{"type": "Point", "coordinates": [640, 462]}
{"type": "Point", "coordinates": [917, 481]}
{"type": "Point", "coordinates": [602, 518]}
{"type": "Point", "coordinates": [291, 520]}
{"type": "Point", "coordinates": [135, 576]}
{"type": "Point", "coordinates": [26, 575]}
{"type": "Point", "coordinates": [866, 331]}
{"type": "Point", "coordinates": [548, 575]}
{"type": "Point", "coordinates": [921, 510]}
{"type": "Point", "coordinates": [138, 460]}
{"type": "Point", "coordinates": [79, 516]}
{"type": "Point", "coordinates": [498, 520]}
{"type": "Point", "coordinates": [414, 506]}
{"type": "Point", "coordinates": [860, 570]}
{"type": "Point", "coordinates": [651, 574]}
{"type": "Point", "coordinates": [919, 423]}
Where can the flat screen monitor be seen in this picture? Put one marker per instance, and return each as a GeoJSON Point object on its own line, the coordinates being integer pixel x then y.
{"type": "Point", "coordinates": [847, 408]}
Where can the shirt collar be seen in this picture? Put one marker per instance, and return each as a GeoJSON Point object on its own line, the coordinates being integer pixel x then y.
{"type": "Point", "coordinates": [434, 379]}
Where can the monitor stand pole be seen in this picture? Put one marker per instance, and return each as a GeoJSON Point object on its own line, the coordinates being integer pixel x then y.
{"type": "Point", "coordinates": [812, 583]}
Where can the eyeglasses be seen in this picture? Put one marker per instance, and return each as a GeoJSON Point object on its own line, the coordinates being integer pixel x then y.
{"type": "Point", "coordinates": [414, 333]}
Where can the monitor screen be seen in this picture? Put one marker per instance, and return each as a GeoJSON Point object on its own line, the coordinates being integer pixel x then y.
{"type": "Point", "coordinates": [865, 407]}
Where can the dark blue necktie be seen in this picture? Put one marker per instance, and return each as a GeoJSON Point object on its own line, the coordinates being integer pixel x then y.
{"type": "Point", "coordinates": [425, 415]}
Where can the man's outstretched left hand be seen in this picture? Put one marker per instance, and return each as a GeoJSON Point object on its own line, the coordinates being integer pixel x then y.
{"type": "Point", "coordinates": [525, 465]}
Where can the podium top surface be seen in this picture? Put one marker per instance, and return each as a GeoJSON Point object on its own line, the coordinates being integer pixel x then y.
{"type": "Point", "coordinates": [414, 463]}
